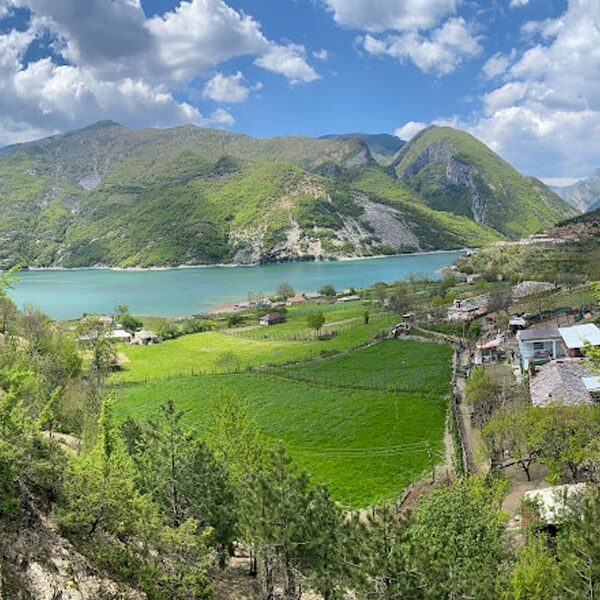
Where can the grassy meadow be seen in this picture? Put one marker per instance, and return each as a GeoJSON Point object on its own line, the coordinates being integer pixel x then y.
{"type": "Point", "coordinates": [276, 345]}
{"type": "Point", "coordinates": [360, 422]}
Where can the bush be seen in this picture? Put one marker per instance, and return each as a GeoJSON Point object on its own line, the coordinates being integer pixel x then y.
{"type": "Point", "coordinates": [130, 323]}
{"type": "Point", "coordinates": [327, 290]}
{"type": "Point", "coordinates": [234, 320]}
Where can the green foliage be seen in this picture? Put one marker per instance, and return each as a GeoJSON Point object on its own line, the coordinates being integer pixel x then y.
{"type": "Point", "coordinates": [457, 540]}
{"type": "Point", "coordinates": [285, 290]}
{"type": "Point", "coordinates": [482, 392]}
{"type": "Point", "coordinates": [315, 321]}
{"type": "Point", "coordinates": [535, 574]}
{"type": "Point", "coordinates": [515, 205]}
{"type": "Point", "coordinates": [327, 290]}
{"type": "Point", "coordinates": [129, 322]}
{"type": "Point", "coordinates": [578, 552]}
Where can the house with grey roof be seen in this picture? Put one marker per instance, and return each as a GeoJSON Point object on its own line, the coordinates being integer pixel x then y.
{"type": "Point", "coordinates": [550, 343]}
{"type": "Point", "coordinates": [539, 345]}
{"type": "Point", "coordinates": [562, 381]}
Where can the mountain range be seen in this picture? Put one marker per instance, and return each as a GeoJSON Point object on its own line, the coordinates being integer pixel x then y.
{"type": "Point", "coordinates": [109, 195]}
{"type": "Point", "coordinates": [584, 195]}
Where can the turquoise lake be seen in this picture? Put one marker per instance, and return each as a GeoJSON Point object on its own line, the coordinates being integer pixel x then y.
{"type": "Point", "coordinates": [173, 292]}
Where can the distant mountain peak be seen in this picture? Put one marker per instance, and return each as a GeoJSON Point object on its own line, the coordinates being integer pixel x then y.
{"type": "Point", "coordinates": [583, 194]}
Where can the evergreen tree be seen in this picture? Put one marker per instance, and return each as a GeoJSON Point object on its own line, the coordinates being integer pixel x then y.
{"type": "Point", "coordinates": [457, 541]}
{"type": "Point", "coordinates": [578, 551]}
{"type": "Point", "coordinates": [535, 573]}
{"type": "Point", "coordinates": [385, 569]}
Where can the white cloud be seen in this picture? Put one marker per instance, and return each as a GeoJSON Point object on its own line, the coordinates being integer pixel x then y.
{"type": "Point", "coordinates": [289, 61]}
{"type": "Point", "coordinates": [545, 117]}
{"type": "Point", "coordinates": [383, 15]}
{"type": "Point", "coordinates": [440, 52]}
{"type": "Point", "coordinates": [518, 3]}
{"type": "Point", "coordinates": [117, 63]}
{"type": "Point", "coordinates": [496, 65]}
{"type": "Point", "coordinates": [321, 54]}
{"type": "Point", "coordinates": [409, 130]}
{"type": "Point", "coordinates": [222, 117]}
{"type": "Point", "coordinates": [223, 88]}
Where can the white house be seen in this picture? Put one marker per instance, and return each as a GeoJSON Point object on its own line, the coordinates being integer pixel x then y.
{"type": "Point", "coordinates": [144, 338]}
{"type": "Point", "coordinates": [539, 345]}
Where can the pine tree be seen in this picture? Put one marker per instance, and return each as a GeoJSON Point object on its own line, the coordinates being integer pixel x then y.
{"type": "Point", "coordinates": [578, 552]}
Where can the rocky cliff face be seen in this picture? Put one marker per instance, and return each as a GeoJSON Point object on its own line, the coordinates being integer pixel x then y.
{"type": "Point", "coordinates": [583, 195]}
{"type": "Point", "coordinates": [456, 173]}
{"type": "Point", "coordinates": [37, 563]}
{"type": "Point", "coordinates": [107, 195]}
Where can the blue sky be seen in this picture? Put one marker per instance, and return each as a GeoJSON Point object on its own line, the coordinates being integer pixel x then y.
{"type": "Point", "coordinates": [522, 75]}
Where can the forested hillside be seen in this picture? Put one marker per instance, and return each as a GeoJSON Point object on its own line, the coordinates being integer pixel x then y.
{"type": "Point", "coordinates": [107, 195]}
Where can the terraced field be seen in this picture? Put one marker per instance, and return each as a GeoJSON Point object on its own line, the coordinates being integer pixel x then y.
{"type": "Point", "coordinates": [222, 351]}
{"type": "Point", "coordinates": [362, 422]}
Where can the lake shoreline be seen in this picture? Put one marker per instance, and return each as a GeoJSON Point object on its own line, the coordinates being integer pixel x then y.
{"type": "Point", "coordinates": [239, 265]}
{"type": "Point", "coordinates": [68, 293]}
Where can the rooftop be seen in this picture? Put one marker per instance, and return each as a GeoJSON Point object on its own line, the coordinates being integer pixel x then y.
{"type": "Point", "coordinates": [545, 333]}
{"type": "Point", "coordinates": [579, 336]}
{"type": "Point", "coordinates": [554, 502]}
{"type": "Point", "coordinates": [560, 381]}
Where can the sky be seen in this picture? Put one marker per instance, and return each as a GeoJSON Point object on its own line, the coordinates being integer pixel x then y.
{"type": "Point", "coordinates": [521, 75]}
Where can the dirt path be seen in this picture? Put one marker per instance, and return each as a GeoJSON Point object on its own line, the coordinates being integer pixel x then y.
{"type": "Point", "coordinates": [476, 463]}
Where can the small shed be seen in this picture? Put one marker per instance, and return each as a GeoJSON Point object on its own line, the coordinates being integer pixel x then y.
{"type": "Point", "coordinates": [145, 338]}
{"type": "Point", "coordinates": [272, 319]}
{"type": "Point", "coordinates": [120, 335]}
{"type": "Point", "coordinates": [554, 503]}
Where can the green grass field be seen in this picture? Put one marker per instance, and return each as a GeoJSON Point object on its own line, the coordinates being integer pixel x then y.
{"type": "Point", "coordinates": [276, 345]}
{"type": "Point", "coordinates": [395, 365]}
{"type": "Point", "coordinates": [365, 444]}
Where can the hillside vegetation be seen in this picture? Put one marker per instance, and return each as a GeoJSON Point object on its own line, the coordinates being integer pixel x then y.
{"type": "Point", "coordinates": [107, 195]}
{"type": "Point", "coordinates": [457, 173]}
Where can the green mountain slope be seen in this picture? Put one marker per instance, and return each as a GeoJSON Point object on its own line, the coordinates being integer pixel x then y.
{"type": "Point", "coordinates": [107, 195]}
{"type": "Point", "coordinates": [456, 173]}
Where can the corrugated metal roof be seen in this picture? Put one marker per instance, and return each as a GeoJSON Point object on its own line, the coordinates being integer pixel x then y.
{"type": "Point", "coordinates": [579, 336]}
{"type": "Point", "coordinates": [592, 384]}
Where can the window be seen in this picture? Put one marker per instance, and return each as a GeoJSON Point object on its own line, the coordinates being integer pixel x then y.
{"type": "Point", "coordinates": [538, 346]}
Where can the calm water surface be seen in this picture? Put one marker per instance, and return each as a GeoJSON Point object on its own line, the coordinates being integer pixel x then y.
{"type": "Point", "coordinates": [172, 292]}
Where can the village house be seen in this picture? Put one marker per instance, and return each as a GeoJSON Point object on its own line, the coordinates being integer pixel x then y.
{"type": "Point", "coordinates": [468, 309]}
{"type": "Point", "coordinates": [145, 338]}
{"type": "Point", "coordinates": [576, 338]}
{"type": "Point", "coordinates": [294, 300]}
{"type": "Point", "coordinates": [545, 344]}
{"type": "Point", "coordinates": [312, 296]}
{"type": "Point", "coordinates": [120, 335]}
{"type": "Point", "coordinates": [539, 345]}
{"type": "Point", "coordinates": [565, 381]}
{"type": "Point", "coordinates": [352, 298]}
{"type": "Point", "coordinates": [489, 351]}
{"type": "Point", "coordinates": [272, 319]}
